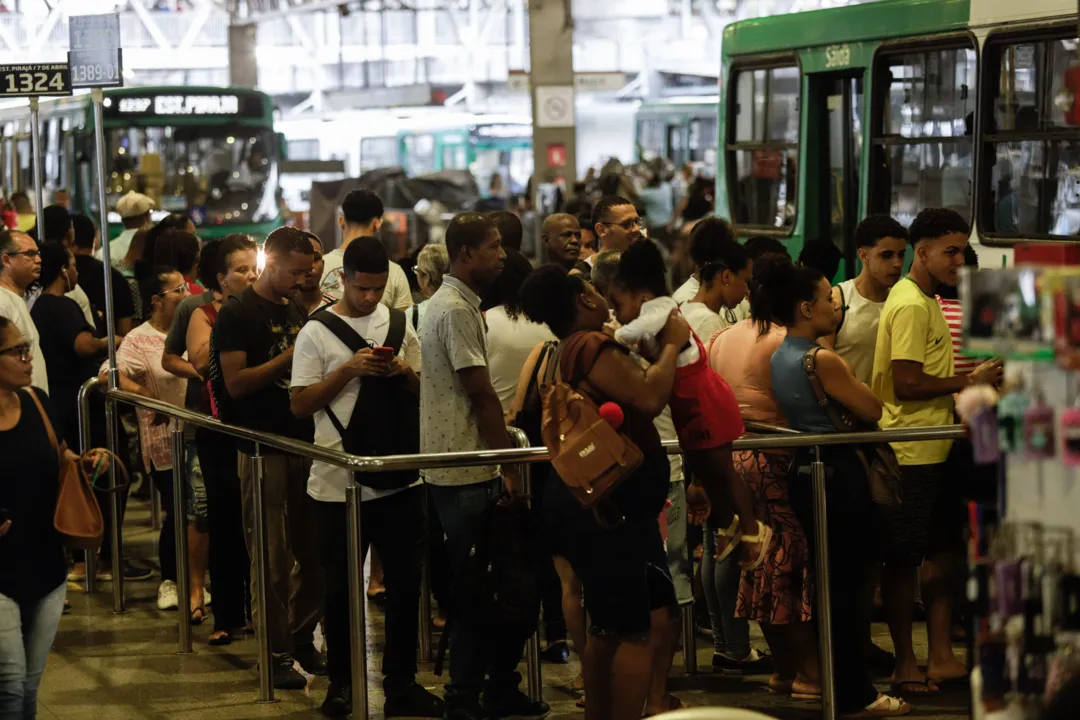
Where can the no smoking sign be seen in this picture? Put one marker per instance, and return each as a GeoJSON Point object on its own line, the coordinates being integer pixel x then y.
{"type": "Point", "coordinates": [554, 106]}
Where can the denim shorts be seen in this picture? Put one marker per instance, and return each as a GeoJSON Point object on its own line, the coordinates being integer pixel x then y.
{"type": "Point", "coordinates": [195, 487]}
{"type": "Point", "coordinates": [678, 562]}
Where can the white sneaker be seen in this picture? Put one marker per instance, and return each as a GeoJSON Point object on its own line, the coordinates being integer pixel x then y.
{"type": "Point", "coordinates": [166, 596]}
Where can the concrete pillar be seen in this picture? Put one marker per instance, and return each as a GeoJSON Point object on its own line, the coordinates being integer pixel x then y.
{"type": "Point", "coordinates": [551, 77]}
{"type": "Point", "coordinates": [243, 68]}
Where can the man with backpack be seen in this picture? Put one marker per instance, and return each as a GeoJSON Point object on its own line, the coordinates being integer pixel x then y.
{"type": "Point", "coordinates": [355, 369]}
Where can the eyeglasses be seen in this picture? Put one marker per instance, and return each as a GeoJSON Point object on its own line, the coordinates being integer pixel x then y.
{"type": "Point", "coordinates": [181, 290]}
{"type": "Point", "coordinates": [28, 254]}
{"type": "Point", "coordinates": [22, 352]}
{"type": "Point", "coordinates": [627, 225]}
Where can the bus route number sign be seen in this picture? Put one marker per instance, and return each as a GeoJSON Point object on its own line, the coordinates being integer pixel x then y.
{"type": "Point", "coordinates": [94, 56]}
{"type": "Point", "coordinates": [35, 80]}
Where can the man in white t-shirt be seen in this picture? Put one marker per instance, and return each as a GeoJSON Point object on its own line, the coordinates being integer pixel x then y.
{"type": "Point", "coordinates": [362, 216]}
{"type": "Point", "coordinates": [327, 382]}
{"type": "Point", "coordinates": [20, 266]}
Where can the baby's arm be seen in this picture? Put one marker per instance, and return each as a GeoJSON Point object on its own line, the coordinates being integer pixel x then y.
{"type": "Point", "coordinates": [648, 324]}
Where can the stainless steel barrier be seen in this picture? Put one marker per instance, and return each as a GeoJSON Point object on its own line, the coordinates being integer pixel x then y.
{"type": "Point", "coordinates": [532, 647]}
{"type": "Point", "coordinates": [84, 442]}
{"type": "Point", "coordinates": [183, 577]}
{"type": "Point", "coordinates": [522, 455]}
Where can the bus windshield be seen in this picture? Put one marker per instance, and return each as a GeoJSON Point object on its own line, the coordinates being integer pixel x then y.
{"type": "Point", "coordinates": [218, 175]}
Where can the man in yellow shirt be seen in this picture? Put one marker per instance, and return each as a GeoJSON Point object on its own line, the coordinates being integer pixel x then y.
{"type": "Point", "coordinates": [915, 379]}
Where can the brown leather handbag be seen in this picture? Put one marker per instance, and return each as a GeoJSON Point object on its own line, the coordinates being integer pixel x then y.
{"type": "Point", "coordinates": [78, 516]}
{"type": "Point", "coordinates": [878, 459]}
{"type": "Point", "coordinates": [590, 455]}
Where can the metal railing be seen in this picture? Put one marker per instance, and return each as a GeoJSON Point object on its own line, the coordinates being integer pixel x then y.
{"type": "Point", "coordinates": [523, 455]}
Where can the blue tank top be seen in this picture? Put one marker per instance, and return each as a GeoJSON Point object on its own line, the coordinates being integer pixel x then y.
{"type": "Point", "coordinates": [793, 390]}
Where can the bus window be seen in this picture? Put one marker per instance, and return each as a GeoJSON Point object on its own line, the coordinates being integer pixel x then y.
{"type": "Point", "coordinates": [922, 118]}
{"type": "Point", "coordinates": [650, 139]}
{"type": "Point", "coordinates": [703, 138]}
{"type": "Point", "coordinates": [763, 147]}
{"type": "Point", "coordinates": [419, 154]}
{"type": "Point", "coordinates": [1030, 180]}
{"type": "Point", "coordinates": [378, 152]}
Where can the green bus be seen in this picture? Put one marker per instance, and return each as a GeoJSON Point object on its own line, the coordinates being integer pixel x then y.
{"type": "Point", "coordinates": [210, 153]}
{"type": "Point", "coordinates": [485, 146]}
{"type": "Point", "coordinates": [683, 130]}
{"type": "Point", "coordinates": [898, 105]}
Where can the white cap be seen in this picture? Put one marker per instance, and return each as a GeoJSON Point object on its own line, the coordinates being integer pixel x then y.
{"type": "Point", "coordinates": [133, 205]}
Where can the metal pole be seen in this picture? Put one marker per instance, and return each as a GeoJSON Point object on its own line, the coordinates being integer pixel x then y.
{"type": "Point", "coordinates": [183, 579]}
{"type": "Point", "coordinates": [425, 604]}
{"type": "Point", "coordinates": [35, 153]}
{"type": "Point", "coordinates": [84, 445]}
{"type": "Point", "coordinates": [824, 603]}
{"type": "Point", "coordinates": [116, 533]}
{"type": "Point", "coordinates": [357, 622]}
{"type": "Point", "coordinates": [155, 507]}
{"type": "Point", "coordinates": [532, 647]}
{"type": "Point", "coordinates": [688, 638]}
{"type": "Point", "coordinates": [262, 581]}
{"type": "Point", "coordinates": [110, 336]}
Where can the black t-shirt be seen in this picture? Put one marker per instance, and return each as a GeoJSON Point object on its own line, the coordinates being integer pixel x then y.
{"type": "Point", "coordinates": [92, 281]}
{"type": "Point", "coordinates": [32, 561]}
{"type": "Point", "coordinates": [59, 321]}
{"type": "Point", "coordinates": [264, 330]}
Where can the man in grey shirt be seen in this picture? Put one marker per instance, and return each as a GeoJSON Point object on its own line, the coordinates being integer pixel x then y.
{"type": "Point", "coordinates": [459, 410]}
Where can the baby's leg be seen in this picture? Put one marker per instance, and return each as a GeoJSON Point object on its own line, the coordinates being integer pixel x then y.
{"type": "Point", "coordinates": [727, 491]}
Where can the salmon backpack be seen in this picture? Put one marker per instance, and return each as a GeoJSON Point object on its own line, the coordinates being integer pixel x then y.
{"type": "Point", "coordinates": [591, 456]}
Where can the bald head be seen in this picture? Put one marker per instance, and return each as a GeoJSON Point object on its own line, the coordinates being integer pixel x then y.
{"type": "Point", "coordinates": [561, 235]}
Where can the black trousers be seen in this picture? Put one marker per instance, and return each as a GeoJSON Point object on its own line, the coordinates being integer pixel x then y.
{"type": "Point", "coordinates": [852, 548]}
{"type": "Point", "coordinates": [163, 481]}
{"type": "Point", "coordinates": [230, 568]}
{"type": "Point", "coordinates": [396, 525]}
{"type": "Point", "coordinates": [550, 585]}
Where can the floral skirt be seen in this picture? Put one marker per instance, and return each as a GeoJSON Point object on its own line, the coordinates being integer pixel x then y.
{"type": "Point", "coordinates": [780, 591]}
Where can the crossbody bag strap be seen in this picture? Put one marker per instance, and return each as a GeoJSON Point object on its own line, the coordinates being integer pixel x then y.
{"type": "Point", "coordinates": [810, 366]}
{"type": "Point", "coordinates": [341, 330]}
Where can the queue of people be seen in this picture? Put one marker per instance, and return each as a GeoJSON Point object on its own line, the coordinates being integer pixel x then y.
{"type": "Point", "coordinates": [329, 348]}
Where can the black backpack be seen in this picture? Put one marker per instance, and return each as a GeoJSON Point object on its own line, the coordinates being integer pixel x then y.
{"type": "Point", "coordinates": [386, 417]}
{"type": "Point", "coordinates": [496, 587]}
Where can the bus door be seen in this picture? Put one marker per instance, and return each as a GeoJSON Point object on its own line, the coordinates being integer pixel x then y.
{"type": "Point", "coordinates": [836, 103]}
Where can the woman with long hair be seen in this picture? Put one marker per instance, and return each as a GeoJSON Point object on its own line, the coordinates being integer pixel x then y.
{"type": "Point", "coordinates": [800, 300]}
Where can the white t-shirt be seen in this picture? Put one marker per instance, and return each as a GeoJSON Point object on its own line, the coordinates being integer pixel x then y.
{"type": "Point", "coordinates": [703, 321]}
{"type": "Point", "coordinates": [686, 291]}
{"type": "Point", "coordinates": [14, 309]}
{"type": "Point", "coordinates": [510, 343]}
{"type": "Point", "coordinates": [319, 353]}
{"type": "Point", "coordinates": [80, 298]}
{"type": "Point", "coordinates": [397, 294]}
{"type": "Point", "coordinates": [689, 289]}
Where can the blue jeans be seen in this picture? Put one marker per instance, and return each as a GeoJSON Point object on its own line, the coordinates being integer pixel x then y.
{"type": "Point", "coordinates": [26, 636]}
{"type": "Point", "coordinates": [678, 560]}
{"type": "Point", "coordinates": [731, 635]}
{"type": "Point", "coordinates": [473, 652]}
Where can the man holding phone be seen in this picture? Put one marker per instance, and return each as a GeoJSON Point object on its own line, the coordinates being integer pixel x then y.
{"type": "Point", "coordinates": [345, 388]}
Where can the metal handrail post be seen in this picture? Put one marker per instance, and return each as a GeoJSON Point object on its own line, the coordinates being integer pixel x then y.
{"type": "Point", "coordinates": [262, 580]}
{"type": "Point", "coordinates": [425, 598]}
{"type": "Point", "coordinates": [84, 444]}
{"type": "Point", "coordinates": [37, 158]}
{"type": "Point", "coordinates": [689, 639]}
{"type": "Point", "coordinates": [824, 601]}
{"type": "Point", "coordinates": [534, 669]}
{"type": "Point", "coordinates": [183, 579]}
{"type": "Point", "coordinates": [357, 621]}
{"type": "Point", "coordinates": [115, 504]}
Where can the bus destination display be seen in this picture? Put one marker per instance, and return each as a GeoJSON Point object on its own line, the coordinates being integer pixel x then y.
{"type": "Point", "coordinates": [182, 105]}
{"type": "Point", "coordinates": [33, 80]}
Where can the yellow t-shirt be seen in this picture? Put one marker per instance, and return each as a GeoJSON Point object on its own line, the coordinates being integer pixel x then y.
{"type": "Point", "coordinates": [913, 327]}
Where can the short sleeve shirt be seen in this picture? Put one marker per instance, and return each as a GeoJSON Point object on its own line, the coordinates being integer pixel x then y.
{"type": "Point", "coordinates": [176, 342]}
{"type": "Point", "coordinates": [319, 353]}
{"type": "Point", "coordinates": [452, 338]}
{"type": "Point", "coordinates": [13, 308]}
{"type": "Point", "coordinates": [913, 328]}
{"type": "Point", "coordinates": [396, 295]}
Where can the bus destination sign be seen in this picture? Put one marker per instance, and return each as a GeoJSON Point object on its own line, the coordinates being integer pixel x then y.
{"type": "Point", "coordinates": [35, 80]}
{"type": "Point", "coordinates": [179, 105]}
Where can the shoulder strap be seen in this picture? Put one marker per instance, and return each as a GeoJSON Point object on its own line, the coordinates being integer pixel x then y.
{"type": "Point", "coordinates": [843, 309]}
{"type": "Point", "coordinates": [554, 360]}
{"type": "Point", "coordinates": [341, 330]}
{"type": "Point", "coordinates": [395, 336]}
{"type": "Point", "coordinates": [810, 366]}
{"type": "Point", "coordinates": [44, 419]}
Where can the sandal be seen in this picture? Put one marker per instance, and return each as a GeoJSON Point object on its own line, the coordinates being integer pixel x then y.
{"type": "Point", "coordinates": [671, 704]}
{"type": "Point", "coordinates": [729, 538]}
{"type": "Point", "coordinates": [220, 637]}
{"type": "Point", "coordinates": [923, 687]}
{"type": "Point", "coordinates": [580, 702]}
{"type": "Point", "coordinates": [197, 616]}
{"type": "Point", "coordinates": [763, 538]}
{"type": "Point", "coordinates": [884, 706]}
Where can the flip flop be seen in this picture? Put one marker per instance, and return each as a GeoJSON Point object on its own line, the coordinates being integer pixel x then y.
{"type": "Point", "coordinates": [951, 681]}
{"type": "Point", "coordinates": [580, 702]}
{"type": "Point", "coordinates": [904, 687]}
{"type": "Point", "coordinates": [197, 616]}
{"type": "Point", "coordinates": [884, 706]}
{"type": "Point", "coordinates": [672, 703]}
{"type": "Point", "coordinates": [220, 637]}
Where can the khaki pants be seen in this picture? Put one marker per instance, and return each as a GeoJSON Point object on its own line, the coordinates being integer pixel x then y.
{"type": "Point", "coordinates": [295, 597]}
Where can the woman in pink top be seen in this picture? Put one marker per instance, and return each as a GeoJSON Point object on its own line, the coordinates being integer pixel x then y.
{"type": "Point", "coordinates": [778, 594]}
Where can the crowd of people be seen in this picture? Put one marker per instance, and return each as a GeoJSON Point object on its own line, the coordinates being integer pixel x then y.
{"type": "Point", "coordinates": [337, 349]}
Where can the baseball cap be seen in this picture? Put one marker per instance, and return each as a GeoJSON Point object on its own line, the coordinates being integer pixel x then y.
{"type": "Point", "coordinates": [133, 205]}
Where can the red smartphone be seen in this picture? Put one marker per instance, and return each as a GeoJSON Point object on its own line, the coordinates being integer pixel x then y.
{"type": "Point", "coordinates": [385, 353]}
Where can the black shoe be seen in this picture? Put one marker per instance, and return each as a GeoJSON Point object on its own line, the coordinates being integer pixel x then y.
{"type": "Point", "coordinates": [756, 663]}
{"type": "Point", "coordinates": [285, 675]}
{"type": "Point", "coordinates": [338, 702]}
{"type": "Point", "coordinates": [464, 711]}
{"type": "Point", "coordinates": [513, 703]}
{"type": "Point", "coordinates": [414, 702]}
{"type": "Point", "coordinates": [311, 660]}
{"type": "Point", "coordinates": [557, 653]}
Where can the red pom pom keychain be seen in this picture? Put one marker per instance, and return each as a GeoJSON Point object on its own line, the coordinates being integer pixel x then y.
{"type": "Point", "coordinates": [612, 413]}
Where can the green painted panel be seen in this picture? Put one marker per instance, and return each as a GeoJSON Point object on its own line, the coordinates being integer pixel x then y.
{"type": "Point", "coordinates": [856, 23]}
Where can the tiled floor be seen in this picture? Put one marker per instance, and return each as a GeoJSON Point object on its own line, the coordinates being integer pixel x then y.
{"type": "Point", "coordinates": [125, 667]}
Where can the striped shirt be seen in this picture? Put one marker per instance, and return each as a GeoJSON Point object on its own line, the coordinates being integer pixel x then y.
{"type": "Point", "coordinates": [954, 315]}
